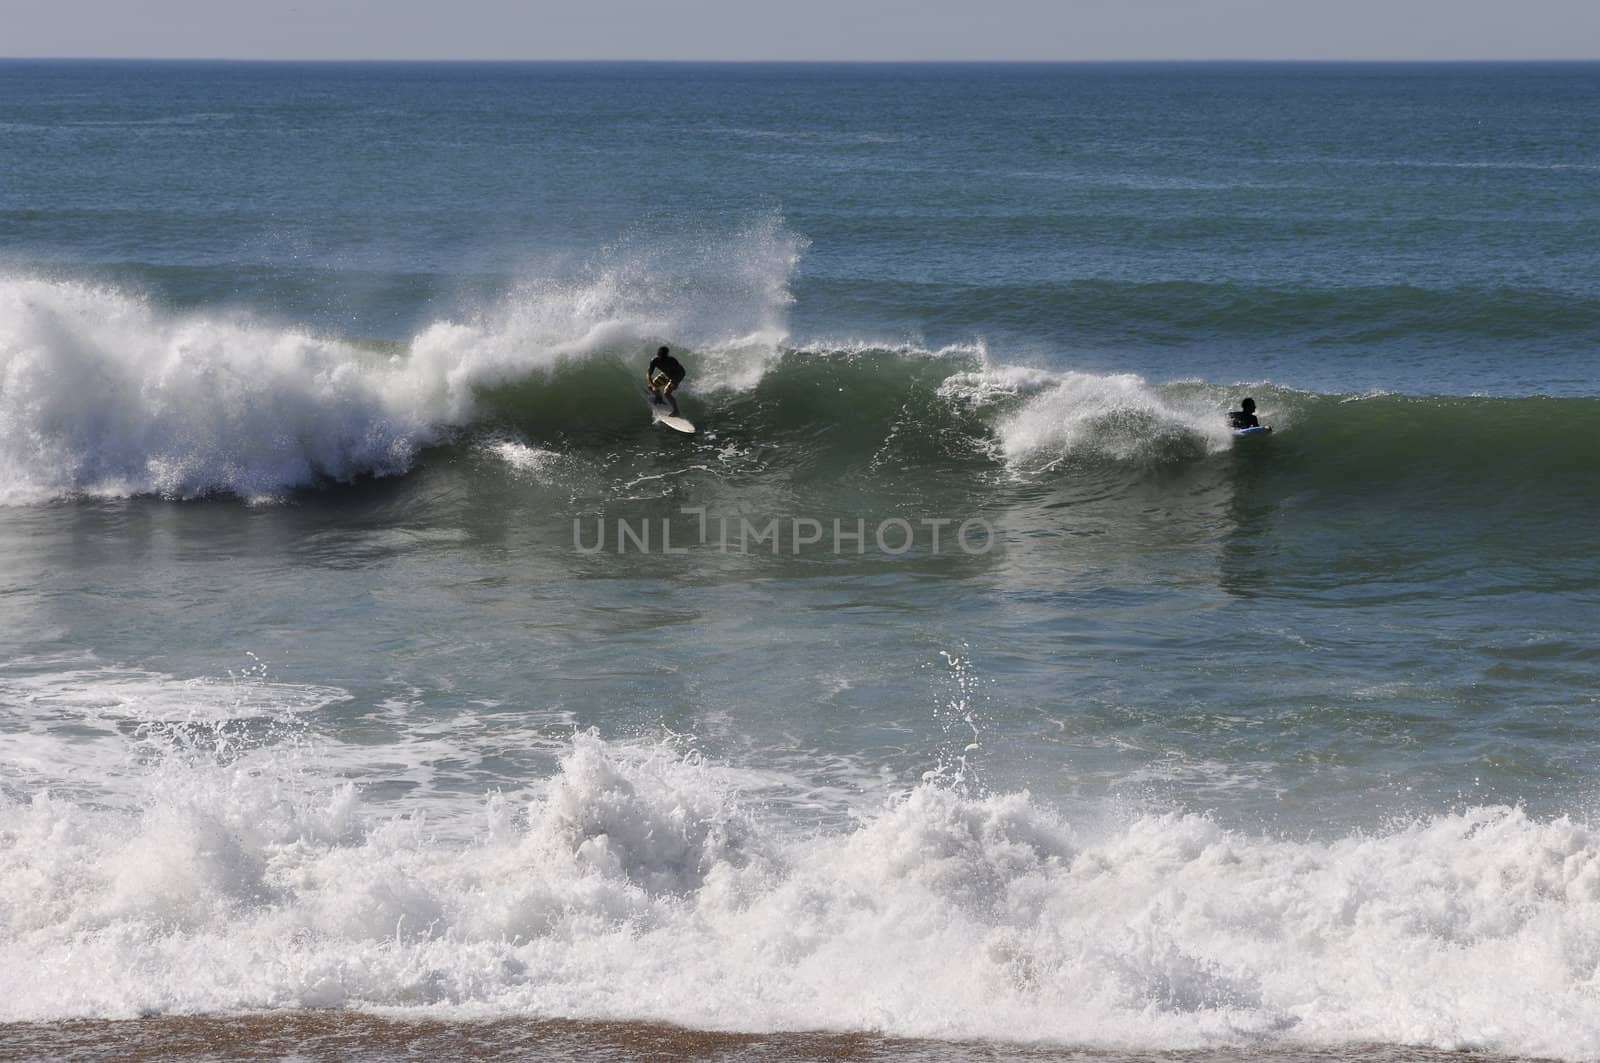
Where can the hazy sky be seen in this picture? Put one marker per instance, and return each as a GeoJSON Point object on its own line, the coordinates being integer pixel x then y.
{"type": "Point", "coordinates": [803, 29]}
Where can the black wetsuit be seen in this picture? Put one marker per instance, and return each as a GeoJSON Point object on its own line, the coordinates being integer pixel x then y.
{"type": "Point", "coordinates": [1241, 419]}
{"type": "Point", "coordinates": [665, 363]}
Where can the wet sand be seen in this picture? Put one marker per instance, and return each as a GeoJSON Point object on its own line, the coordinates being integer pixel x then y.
{"type": "Point", "coordinates": [343, 1035]}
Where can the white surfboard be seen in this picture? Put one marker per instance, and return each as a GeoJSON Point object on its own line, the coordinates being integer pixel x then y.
{"type": "Point", "coordinates": [659, 415]}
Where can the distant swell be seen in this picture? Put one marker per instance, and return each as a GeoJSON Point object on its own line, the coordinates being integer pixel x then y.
{"type": "Point", "coordinates": [1282, 313]}
{"type": "Point", "coordinates": [1364, 314]}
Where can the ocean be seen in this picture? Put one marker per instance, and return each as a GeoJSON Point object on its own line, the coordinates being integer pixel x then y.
{"type": "Point", "coordinates": [377, 680]}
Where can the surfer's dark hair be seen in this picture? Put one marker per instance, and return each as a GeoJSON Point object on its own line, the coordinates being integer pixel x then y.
{"type": "Point", "coordinates": [1248, 404]}
{"type": "Point", "coordinates": [662, 351]}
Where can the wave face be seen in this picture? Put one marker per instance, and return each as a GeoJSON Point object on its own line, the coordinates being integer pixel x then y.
{"type": "Point", "coordinates": [105, 394]}
{"type": "Point", "coordinates": [639, 883]}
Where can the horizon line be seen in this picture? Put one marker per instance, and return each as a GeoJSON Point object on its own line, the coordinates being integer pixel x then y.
{"type": "Point", "coordinates": [1145, 61]}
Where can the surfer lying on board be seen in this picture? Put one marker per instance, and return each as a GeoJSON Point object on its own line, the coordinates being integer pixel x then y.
{"type": "Point", "coordinates": [1244, 416]}
{"type": "Point", "coordinates": [664, 376]}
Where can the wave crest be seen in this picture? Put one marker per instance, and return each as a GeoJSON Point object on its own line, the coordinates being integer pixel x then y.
{"type": "Point", "coordinates": [104, 393]}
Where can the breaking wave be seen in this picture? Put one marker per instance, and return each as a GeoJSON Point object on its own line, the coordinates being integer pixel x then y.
{"type": "Point", "coordinates": [641, 883]}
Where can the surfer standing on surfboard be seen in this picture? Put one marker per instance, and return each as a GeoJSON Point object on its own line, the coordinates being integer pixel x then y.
{"type": "Point", "coordinates": [664, 376]}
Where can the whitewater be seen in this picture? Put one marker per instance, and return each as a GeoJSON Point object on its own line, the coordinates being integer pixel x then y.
{"type": "Point", "coordinates": [645, 881]}
{"type": "Point", "coordinates": [188, 404]}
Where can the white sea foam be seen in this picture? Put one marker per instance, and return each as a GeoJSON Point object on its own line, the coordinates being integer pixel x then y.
{"type": "Point", "coordinates": [1042, 417]}
{"type": "Point", "coordinates": [640, 883]}
{"type": "Point", "coordinates": [104, 393]}
{"type": "Point", "coordinates": [83, 688]}
{"type": "Point", "coordinates": [531, 461]}
{"type": "Point", "coordinates": [84, 730]}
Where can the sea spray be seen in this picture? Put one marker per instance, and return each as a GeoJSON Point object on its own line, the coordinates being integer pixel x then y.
{"type": "Point", "coordinates": [959, 715]}
{"type": "Point", "coordinates": [1044, 416]}
{"type": "Point", "coordinates": [104, 393]}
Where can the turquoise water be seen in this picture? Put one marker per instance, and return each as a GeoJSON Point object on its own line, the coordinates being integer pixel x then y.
{"type": "Point", "coordinates": [357, 619]}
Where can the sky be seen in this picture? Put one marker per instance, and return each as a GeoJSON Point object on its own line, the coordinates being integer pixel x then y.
{"type": "Point", "coordinates": [802, 29]}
